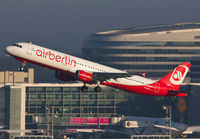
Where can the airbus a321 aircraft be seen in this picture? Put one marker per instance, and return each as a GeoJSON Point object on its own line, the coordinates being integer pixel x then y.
{"type": "Point", "coordinates": [69, 68]}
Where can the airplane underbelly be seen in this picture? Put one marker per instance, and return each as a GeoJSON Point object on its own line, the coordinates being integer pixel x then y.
{"type": "Point", "coordinates": [138, 89]}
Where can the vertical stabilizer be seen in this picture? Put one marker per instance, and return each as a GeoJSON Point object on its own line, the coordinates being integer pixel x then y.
{"type": "Point", "coordinates": [175, 78]}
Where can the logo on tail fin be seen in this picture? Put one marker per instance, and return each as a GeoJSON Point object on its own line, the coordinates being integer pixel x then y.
{"type": "Point", "coordinates": [179, 74]}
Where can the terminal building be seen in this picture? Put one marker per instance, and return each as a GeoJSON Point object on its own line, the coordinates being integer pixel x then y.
{"type": "Point", "coordinates": [155, 49]}
{"type": "Point", "coordinates": [53, 108]}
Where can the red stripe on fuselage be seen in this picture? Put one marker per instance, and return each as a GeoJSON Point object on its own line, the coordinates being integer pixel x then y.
{"type": "Point", "coordinates": [145, 89]}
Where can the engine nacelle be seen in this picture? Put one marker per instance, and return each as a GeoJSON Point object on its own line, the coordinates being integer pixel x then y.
{"type": "Point", "coordinates": [64, 76]}
{"type": "Point", "coordinates": [84, 76]}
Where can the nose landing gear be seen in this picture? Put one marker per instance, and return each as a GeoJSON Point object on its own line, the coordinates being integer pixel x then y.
{"type": "Point", "coordinates": [22, 67]}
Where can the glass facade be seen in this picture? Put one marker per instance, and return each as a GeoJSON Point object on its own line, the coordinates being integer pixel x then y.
{"type": "Point", "coordinates": [48, 106]}
{"type": "Point", "coordinates": [153, 49]}
{"type": "Point", "coordinates": [150, 137]}
{"type": "Point", "coordinates": [32, 137]}
{"type": "Point", "coordinates": [71, 102]}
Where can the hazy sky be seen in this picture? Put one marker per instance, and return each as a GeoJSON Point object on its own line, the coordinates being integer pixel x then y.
{"type": "Point", "coordinates": [64, 24]}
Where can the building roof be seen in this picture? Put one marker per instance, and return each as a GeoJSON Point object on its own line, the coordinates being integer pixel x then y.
{"type": "Point", "coordinates": [72, 84]}
{"type": "Point", "coordinates": [150, 28]}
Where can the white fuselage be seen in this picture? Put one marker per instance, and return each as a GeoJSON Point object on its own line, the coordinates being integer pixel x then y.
{"type": "Point", "coordinates": [65, 62]}
{"type": "Point", "coordinates": [86, 71]}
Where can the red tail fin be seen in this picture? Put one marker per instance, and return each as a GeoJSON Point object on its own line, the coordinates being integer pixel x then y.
{"type": "Point", "coordinates": [175, 78]}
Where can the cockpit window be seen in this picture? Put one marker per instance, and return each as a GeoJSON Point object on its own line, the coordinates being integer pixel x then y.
{"type": "Point", "coordinates": [17, 45]}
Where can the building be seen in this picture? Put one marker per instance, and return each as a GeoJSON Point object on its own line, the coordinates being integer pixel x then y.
{"type": "Point", "coordinates": [12, 77]}
{"type": "Point", "coordinates": [65, 106]}
{"type": "Point", "coordinates": [52, 108]}
{"type": "Point", "coordinates": [12, 110]}
{"type": "Point", "coordinates": [155, 49]}
{"type": "Point", "coordinates": [193, 102]}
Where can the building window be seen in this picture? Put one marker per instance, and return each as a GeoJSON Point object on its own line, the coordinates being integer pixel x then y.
{"type": "Point", "coordinates": [196, 37]}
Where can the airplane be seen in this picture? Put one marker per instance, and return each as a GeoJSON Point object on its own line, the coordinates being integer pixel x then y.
{"type": "Point", "coordinates": [3, 129]}
{"type": "Point", "coordinates": [69, 67]}
{"type": "Point", "coordinates": [157, 126]}
{"type": "Point", "coordinates": [133, 125]}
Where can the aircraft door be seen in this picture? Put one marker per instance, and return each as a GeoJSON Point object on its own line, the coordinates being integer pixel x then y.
{"type": "Point", "coordinates": [157, 88]}
{"type": "Point", "coordinates": [29, 50]}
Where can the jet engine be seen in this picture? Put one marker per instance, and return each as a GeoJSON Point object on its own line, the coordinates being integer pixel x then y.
{"type": "Point", "coordinates": [64, 76]}
{"type": "Point", "coordinates": [84, 76]}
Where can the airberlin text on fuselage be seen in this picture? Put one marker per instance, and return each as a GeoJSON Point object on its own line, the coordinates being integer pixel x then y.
{"type": "Point", "coordinates": [57, 58]}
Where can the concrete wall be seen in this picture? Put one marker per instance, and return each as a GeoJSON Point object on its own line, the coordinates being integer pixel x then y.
{"type": "Point", "coordinates": [17, 109]}
{"type": "Point", "coordinates": [3, 111]}
{"type": "Point", "coordinates": [17, 76]}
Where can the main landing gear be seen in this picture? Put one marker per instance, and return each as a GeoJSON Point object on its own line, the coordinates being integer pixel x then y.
{"type": "Point", "coordinates": [84, 88]}
{"type": "Point", "coordinates": [98, 89]}
{"type": "Point", "coordinates": [22, 67]}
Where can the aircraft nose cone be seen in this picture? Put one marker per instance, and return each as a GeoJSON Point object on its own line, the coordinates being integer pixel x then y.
{"type": "Point", "coordinates": [9, 49]}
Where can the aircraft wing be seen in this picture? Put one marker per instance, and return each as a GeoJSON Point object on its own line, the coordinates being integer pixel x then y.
{"type": "Point", "coordinates": [14, 131]}
{"type": "Point", "coordinates": [85, 130]}
{"type": "Point", "coordinates": [192, 129]}
{"type": "Point", "coordinates": [19, 131]}
{"type": "Point", "coordinates": [166, 127]}
{"type": "Point", "coordinates": [95, 130]}
{"type": "Point", "coordinates": [103, 76]}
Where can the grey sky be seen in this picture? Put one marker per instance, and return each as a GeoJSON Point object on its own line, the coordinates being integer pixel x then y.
{"type": "Point", "coordinates": [64, 24]}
